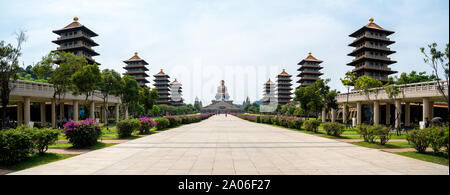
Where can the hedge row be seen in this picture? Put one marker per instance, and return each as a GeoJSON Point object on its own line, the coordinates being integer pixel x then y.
{"type": "Point", "coordinates": [284, 121]}
{"type": "Point", "coordinates": [436, 137]}
{"type": "Point", "coordinates": [126, 127]}
{"type": "Point", "coordinates": [21, 143]}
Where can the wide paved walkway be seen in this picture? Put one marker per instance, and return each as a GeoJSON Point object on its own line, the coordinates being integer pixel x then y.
{"type": "Point", "coordinates": [229, 145]}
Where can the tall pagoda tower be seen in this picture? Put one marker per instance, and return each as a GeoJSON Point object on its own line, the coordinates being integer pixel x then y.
{"type": "Point", "coordinates": [175, 91]}
{"type": "Point", "coordinates": [284, 87]}
{"type": "Point", "coordinates": [371, 52]}
{"type": "Point", "coordinates": [136, 67]}
{"type": "Point", "coordinates": [269, 93]}
{"type": "Point", "coordinates": [163, 87]}
{"type": "Point", "coordinates": [309, 71]}
{"type": "Point", "coordinates": [77, 39]}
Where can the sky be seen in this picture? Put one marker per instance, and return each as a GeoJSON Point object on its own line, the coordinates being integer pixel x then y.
{"type": "Point", "coordinates": [244, 42]}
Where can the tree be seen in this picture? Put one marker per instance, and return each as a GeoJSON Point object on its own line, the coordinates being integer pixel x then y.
{"type": "Point", "coordinates": [367, 86]}
{"type": "Point", "coordinates": [311, 98]}
{"type": "Point", "coordinates": [393, 91]}
{"type": "Point", "coordinates": [86, 81]}
{"type": "Point", "coordinates": [109, 85]}
{"type": "Point", "coordinates": [348, 81]}
{"type": "Point", "coordinates": [148, 97]}
{"type": "Point", "coordinates": [413, 77]}
{"type": "Point", "coordinates": [130, 91]}
{"type": "Point", "coordinates": [156, 110]}
{"type": "Point", "coordinates": [9, 60]}
{"type": "Point", "coordinates": [58, 67]}
{"type": "Point", "coordinates": [288, 109]}
{"type": "Point", "coordinates": [438, 60]}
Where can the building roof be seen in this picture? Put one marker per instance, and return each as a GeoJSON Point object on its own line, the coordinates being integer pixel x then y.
{"type": "Point", "coordinates": [161, 73]}
{"type": "Point", "coordinates": [269, 82]}
{"type": "Point", "coordinates": [310, 58]}
{"type": "Point", "coordinates": [74, 25]}
{"type": "Point", "coordinates": [371, 26]}
{"type": "Point", "coordinates": [136, 58]}
{"type": "Point", "coordinates": [284, 73]}
{"type": "Point", "coordinates": [175, 82]}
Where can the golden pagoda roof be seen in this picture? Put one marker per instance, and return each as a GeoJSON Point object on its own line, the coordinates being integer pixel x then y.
{"type": "Point", "coordinates": [175, 82]}
{"type": "Point", "coordinates": [75, 24]}
{"type": "Point", "coordinates": [284, 73]}
{"type": "Point", "coordinates": [269, 82]}
{"type": "Point", "coordinates": [371, 25]}
{"type": "Point", "coordinates": [161, 72]}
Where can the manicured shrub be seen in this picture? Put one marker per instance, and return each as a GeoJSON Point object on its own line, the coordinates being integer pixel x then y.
{"type": "Point", "coordinates": [42, 138]}
{"type": "Point", "coordinates": [82, 133]}
{"type": "Point", "coordinates": [445, 138]}
{"type": "Point", "coordinates": [266, 119]}
{"type": "Point", "coordinates": [419, 139]}
{"type": "Point", "coordinates": [312, 125]}
{"type": "Point", "coordinates": [366, 132]}
{"type": "Point", "coordinates": [295, 124]}
{"type": "Point", "coordinates": [174, 121]}
{"type": "Point", "coordinates": [162, 123]}
{"type": "Point", "coordinates": [146, 124]}
{"type": "Point", "coordinates": [15, 146]}
{"type": "Point", "coordinates": [437, 138]}
{"type": "Point", "coordinates": [335, 129]}
{"type": "Point", "coordinates": [275, 120]}
{"type": "Point", "coordinates": [382, 132]}
{"type": "Point", "coordinates": [126, 127]}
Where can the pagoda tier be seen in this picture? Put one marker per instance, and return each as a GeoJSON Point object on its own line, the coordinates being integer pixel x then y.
{"type": "Point", "coordinates": [163, 87]}
{"type": "Point", "coordinates": [76, 38]}
{"type": "Point", "coordinates": [175, 91]}
{"type": "Point", "coordinates": [371, 52]}
{"type": "Point", "coordinates": [309, 71]}
{"type": "Point", "coordinates": [136, 67]}
{"type": "Point", "coordinates": [269, 93]}
{"type": "Point", "coordinates": [284, 87]}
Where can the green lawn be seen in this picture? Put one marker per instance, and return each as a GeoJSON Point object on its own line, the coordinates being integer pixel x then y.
{"type": "Point", "coordinates": [97, 146]}
{"type": "Point", "coordinates": [37, 160]}
{"type": "Point", "coordinates": [389, 145]}
{"type": "Point", "coordinates": [428, 156]}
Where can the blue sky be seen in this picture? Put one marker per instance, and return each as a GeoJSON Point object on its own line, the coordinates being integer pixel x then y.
{"type": "Point", "coordinates": [244, 42]}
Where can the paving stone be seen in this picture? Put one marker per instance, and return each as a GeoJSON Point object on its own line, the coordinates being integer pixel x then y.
{"type": "Point", "coordinates": [228, 146]}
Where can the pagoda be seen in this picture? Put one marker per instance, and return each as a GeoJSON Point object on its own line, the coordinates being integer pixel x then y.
{"type": "Point", "coordinates": [309, 71]}
{"type": "Point", "coordinates": [175, 91]}
{"type": "Point", "coordinates": [269, 93]}
{"type": "Point", "coordinates": [284, 87]}
{"type": "Point", "coordinates": [371, 52]}
{"type": "Point", "coordinates": [136, 67]}
{"type": "Point", "coordinates": [77, 39]}
{"type": "Point", "coordinates": [163, 87]}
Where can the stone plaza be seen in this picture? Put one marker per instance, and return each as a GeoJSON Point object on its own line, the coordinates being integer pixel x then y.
{"type": "Point", "coordinates": [230, 146]}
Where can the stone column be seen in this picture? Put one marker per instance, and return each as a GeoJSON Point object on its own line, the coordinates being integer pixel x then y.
{"type": "Point", "coordinates": [104, 114]}
{"type": "Point", "coordinates": [431, 110]}
{"type": "Point", "coordinates": [426, 109]}
{"type": "Point", "coordinates": [333, 115]}
{"type": "Point", "coordinates": [344, 114]}
{"type": "Point", "coordinates": [53, 114]}
{"type": "Point", "coordinates": [388, 114]}
{"type": "Point", "coordinates": [92, 110]}
{"type": "Point", "coordinates": [76, 110]}
{"type": "Point", "coordinates": [358, 113]}
{"type": "Point", "coordinates": [117, 114]}
{"type": "Point", "coordinates": [376, 113]}
{"type": "Point", "coordinates": [19, 113]}
{"type": "Point", "coordinates": [26, 110]}
{"type": "Point", "coordinates": [324, 113]}
{"type": "Point", "coordinates": [407, 114]}
{"type": "Point", "coordinates": [61, 111]}
{"type": "Point", "coordinates": [43, 113]}
{"type": "Point", "coordinates": [398, 113]}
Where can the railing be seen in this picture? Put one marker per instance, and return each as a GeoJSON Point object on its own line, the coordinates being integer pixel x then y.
{"type": "Point", "coordinates": [409, 90]}
{"type": "Point", "coordinates": [46, 90]}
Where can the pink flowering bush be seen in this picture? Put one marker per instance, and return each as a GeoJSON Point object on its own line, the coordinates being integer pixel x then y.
{"type": "Point", "coordinates": [146, 124]}
{"type": "Point", "coordinates": [82, 133]}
